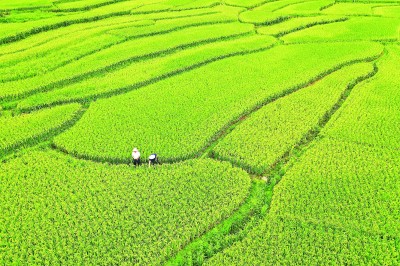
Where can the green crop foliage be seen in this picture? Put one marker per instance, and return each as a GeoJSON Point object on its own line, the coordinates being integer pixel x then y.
{"type": "Point", "coordinates": [372, 115]}
{"type": "Point", "coordinates": [59, 210]}
{"type": "Point", "coordinates": [357, 28]}
{"type": "Point", "coordinates": [288, 241]}
{"type": "Point", "coordinates": [305, 7]}
{"type": "Point", "coordinates": [187, 119]}
{"type": "Point", "coordinates": [275, 122]}
{"type": "Point", "coordinates": [355, 192]}
{"type": "Point", "coordinates": [337, 204]}
{"type": "Point", "coordinates": [352, 8]}
{"type": "Point", "coordinates": [9, 5]}
{"type": "Point", "coordinates": [387, 11]}
{"type": "Point", "coordinates": [83, 4]}
{"type": "Point", "coordinates": [272, 6]}
{"type": "Point", "coordinates": [162, 18]}
{"type": "Point", "coordinates": [24, 128]}
{"type": "Point", "coordinates": [17, 31]}
{"type": "Point", "coordinates": [181, 32]}
{"type": "Point", "coordinates": [261, 140]}
{"type": "Point", "coordinates": [60, 52]}
{"type": "Point", "coordinates": [148, 71]}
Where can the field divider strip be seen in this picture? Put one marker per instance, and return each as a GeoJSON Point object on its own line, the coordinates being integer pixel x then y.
{"type": "Point", "coordinates": [232, 229]}
{"type": "Point", "coordinates": [86, 8]}
{"type": "Point", "coordinates": [322, 8]}
{"type": "Point", "coordinates": [310, 25]}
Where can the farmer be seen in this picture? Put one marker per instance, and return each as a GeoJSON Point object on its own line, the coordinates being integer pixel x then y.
{"type": "Point", "coordinates": [153, 159]}
{"type": "Point", "coordinates": [136, 157]}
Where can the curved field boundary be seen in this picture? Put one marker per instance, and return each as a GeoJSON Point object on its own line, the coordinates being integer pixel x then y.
{"type": "Point", "coordinates": [289, 4]}
{"type": "Point", "coordinates": [309, 26]}
{"type": "Point", "coordinates": [45, 136]}
{"type": "Point", "coordinates": [232, 229]}
{"type": "Point", "coordinates": [121, 64]}
{"type": "Point", "coordinates": [207, 150]}
{"type": "Point", "coordinates": [123, 40]}
{"type": "Point", "coordinates": [229, 231]}
{"type": "Point", "coordinates": [24, 8]}
{"type": "Point", "coordinates": [327, 6]}
{"type": "Point", "coordinates": [85, 8]}
{"type": "Point", "coordinates": [112, 24]}
{"type": "Point", "coordinates": [26, 34]}
{"type": "Point", "coordinates": [156, 79]}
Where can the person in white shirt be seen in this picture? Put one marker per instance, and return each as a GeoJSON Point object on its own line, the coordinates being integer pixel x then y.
{"type": "Point", "coordinates": [136, 157]}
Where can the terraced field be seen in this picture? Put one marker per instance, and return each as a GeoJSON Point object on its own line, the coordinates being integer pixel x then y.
{"type": "Point", "coordinates": [276, 124]}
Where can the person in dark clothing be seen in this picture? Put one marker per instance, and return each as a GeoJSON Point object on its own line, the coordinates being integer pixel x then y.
{"type": "Point", "coordinates": [153, 159]}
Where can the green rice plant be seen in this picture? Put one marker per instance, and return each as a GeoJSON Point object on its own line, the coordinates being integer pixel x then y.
{"type": "Point", "coordinates": [286, 240]}
{"type": "Point", "coordinates": [146, 72]}
{"type": "Point", "coordinates": [70, 47]}
{"type": "Point", "coordinates": [371, 116]}
{"type": "Point", "coordinates": [121, 53]}
{"type": "Point", "coordinates": [195, 4]}
{"type": "Point", "coordinates": [38, 64]}
{"type": "Point", "coordinates": [261, 140]}
{"type": "Point", "coordinates": [186, 17]}
{"type": "Point", "coordinates": [305, 7]}
{"type": "Point", "coordinates": [348, 185]}
{"type": "Point", "coordinates": [357, 28]}
{"type": "Point", "coordinates": [81, 46]}
{"type": "Point", "coordinates": [81, 5]}
{"type": "Point", "coordinates": [24, 4]}
{"type": "Point", "coordinates": [352, 9]}
{"type": "Point", "coordinates": [17, 31]}
{"type": "Point", "coordinates": [336, 204]}
{"type": "Point", "coordinates": [48, 36]}
{"type": "Point", "coordinates": [25, 16]}
{"type": "Point", "coordinates": [178, 117]}
{"type": "Point", "coordinates": [27, 128]}
{"type": "Point", "coordinates": [60, 210]}
{"type": "Point", "coordinates": [65, 48]}
{"type": "Point", "coordinates": [296, 24]}
{"type": "Point", "coordinates": [387, 11]}
{"type": "Point", "coordinates": [272, 6]}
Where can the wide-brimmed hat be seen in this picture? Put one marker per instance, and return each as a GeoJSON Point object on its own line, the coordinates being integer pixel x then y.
{"type": "Point", "coordinates": [135, 149]}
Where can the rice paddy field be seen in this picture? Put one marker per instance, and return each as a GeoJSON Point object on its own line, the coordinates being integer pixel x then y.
{"type": "Point", "coordinates": [276, 124]}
